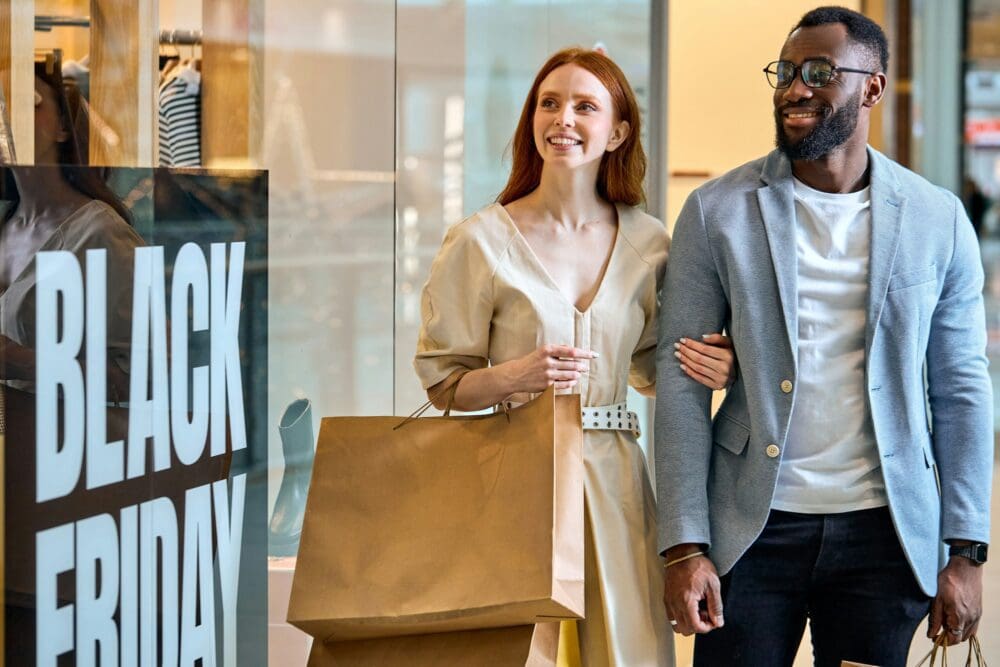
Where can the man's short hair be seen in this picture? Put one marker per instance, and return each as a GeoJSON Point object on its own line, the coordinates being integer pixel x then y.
{"type": "Point", "coordinates": [860, 29]}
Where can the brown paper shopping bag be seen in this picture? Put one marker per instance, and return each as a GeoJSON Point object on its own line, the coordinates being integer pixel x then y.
{"type": "Point", "coordinates": [448, 523]}
{"type": "Point", "coordinates": [518, 646]}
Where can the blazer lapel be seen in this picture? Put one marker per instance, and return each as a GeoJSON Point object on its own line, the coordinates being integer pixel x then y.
{"type": "Point", "coordinates": [777, 209]}
{"type": "Point", "coordinates": [887, 203]}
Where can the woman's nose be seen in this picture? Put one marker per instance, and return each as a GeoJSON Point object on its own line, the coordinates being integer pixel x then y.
{"type": "Point", "coordinates": [565, 117]}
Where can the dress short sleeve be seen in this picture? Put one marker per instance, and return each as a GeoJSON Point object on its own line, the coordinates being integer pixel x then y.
{"type": "Point", "coordinates": [456, 308]}
{"type": "Point", "coordinates": [642, 370]}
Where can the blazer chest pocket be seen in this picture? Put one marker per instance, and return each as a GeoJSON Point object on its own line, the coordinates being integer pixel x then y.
{"type": "Point", "coordinates": [900, 281]}
{"type": "Point", "coordinates": [730, 434]}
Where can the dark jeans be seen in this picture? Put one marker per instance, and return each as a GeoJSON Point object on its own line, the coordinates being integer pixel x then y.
{"type": "Point", "coordinates": [845, 572]}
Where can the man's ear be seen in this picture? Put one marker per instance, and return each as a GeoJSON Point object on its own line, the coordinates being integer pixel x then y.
{"type": "Point", "coordinates": [618, 135]}
{"type": "Point", "coordinates": [875, 89]}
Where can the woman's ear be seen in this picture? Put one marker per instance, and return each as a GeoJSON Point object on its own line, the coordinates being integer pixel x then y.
{"type": "Point", "coordinates": [618, 135]}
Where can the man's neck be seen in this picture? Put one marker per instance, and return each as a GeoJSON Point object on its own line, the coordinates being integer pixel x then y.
{"type": "Point", "coordinates": [842, 170]}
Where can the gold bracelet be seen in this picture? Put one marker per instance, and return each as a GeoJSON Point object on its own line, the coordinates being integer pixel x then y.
{"type": "Point", "coordinates": [682, 559]}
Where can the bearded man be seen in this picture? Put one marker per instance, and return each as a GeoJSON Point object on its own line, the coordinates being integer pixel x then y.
{"type": "Point", "coordinates": [846, 477]}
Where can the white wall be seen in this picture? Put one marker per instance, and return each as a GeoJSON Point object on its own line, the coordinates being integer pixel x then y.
{"type": "Point", "coordinates": [719, 103]}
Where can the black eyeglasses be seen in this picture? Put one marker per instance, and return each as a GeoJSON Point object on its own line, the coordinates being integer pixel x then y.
{"type": "Point", "coordinates": [815, 73]}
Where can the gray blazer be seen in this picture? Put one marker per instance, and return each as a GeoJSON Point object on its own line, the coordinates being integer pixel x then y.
{"type": "Point", "coordinates": [733, 264]}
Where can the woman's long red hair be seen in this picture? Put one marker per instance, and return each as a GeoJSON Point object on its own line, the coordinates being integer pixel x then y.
{"type": "Point", "coordinates": [622, 170]}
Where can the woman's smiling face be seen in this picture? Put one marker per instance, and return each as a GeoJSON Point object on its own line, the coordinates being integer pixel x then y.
{"type": "Point", "coordinates": [575, 121]}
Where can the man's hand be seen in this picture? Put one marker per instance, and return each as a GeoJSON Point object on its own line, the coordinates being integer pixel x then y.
{"type": "Point", "coordinates": [959, 603]}
{"type": "Point", "coordinates": [687, 585]}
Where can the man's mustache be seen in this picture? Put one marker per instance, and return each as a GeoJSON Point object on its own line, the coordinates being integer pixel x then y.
{"type": "Point", "coordinates": [821, 108]}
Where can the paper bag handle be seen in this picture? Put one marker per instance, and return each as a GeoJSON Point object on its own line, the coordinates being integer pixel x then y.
{"type": "Point", "coordinates": [975, 652]}
{"type": "Point", "coordinates": [451, 388]}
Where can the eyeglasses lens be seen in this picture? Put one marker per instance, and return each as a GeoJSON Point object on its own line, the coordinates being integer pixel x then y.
{"type": "Point", "coordinates": [816, 73]}
{"type": "Point", "coordinates": [784, 71]}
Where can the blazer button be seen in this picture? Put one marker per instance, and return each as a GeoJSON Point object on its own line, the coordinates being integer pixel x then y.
{"type": "Point", "coordinates": [786, 386]}
{"type": "Point", "coordinates": [772, 451]}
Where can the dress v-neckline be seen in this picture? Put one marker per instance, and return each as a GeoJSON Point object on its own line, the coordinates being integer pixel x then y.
{"type": "Point", "coordinates": [609, 260]}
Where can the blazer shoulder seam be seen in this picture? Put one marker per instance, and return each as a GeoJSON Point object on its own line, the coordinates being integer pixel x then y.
{"type": "Point", "coordinates": [704, 230]}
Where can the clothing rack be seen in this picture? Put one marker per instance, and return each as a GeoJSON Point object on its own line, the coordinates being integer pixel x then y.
{"type": "Point", "coordinates": [181, 37]}
{"type": "Point", "coordinates": [123, 41]}
{"type": "Point", "coordinates": [46, 23]}
{"type": "Point", "coordinates": [174, 36]}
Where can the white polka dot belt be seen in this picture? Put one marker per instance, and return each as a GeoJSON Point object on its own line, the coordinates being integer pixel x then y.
{"type": "Point", "coordinates": [610, 418]}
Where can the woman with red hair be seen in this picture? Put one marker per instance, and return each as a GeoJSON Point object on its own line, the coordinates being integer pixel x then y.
{"type": "Point", "coordinates": [556, 284]}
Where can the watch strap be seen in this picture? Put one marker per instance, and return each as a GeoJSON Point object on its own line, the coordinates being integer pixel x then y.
{"type": "Point", "coordinates": [976, 552]}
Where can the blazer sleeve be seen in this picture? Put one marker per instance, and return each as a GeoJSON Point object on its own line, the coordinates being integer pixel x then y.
{"type": "Point", "coordinates": [456, 309]}
{"type": "Point", "coordinates": [959, 391]}
{"type": "Point", "coordinates": [692, 303]}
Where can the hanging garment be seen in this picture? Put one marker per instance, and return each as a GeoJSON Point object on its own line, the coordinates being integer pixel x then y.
{"type": "Point", "coordinates": [167, 65]}
{"type": "Point", "coordinates": [78, 71]}
{"type": "Point", "coordinates": [180, 118]}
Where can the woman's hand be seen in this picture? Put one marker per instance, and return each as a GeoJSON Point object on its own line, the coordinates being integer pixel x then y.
{"type": "Point", "coordinates": [558, 366]}
{"type": "Point", "coordinates": [710, 361]}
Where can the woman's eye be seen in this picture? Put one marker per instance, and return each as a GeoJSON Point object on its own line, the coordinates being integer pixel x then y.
{"type": "Point", "coordinates": [548, 104]}
{"type": "Point", "coordinates": [587, 106]}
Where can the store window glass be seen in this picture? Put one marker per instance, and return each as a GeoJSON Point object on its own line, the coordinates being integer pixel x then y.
{"type": "Point", "coordinates": [981, 155]}
{"type": "Point", "coordinates": [981, 183]}
{"type": "Point", "coordinates": [459, 100]}
{"type": "Point", "coordinates": [217, 218]}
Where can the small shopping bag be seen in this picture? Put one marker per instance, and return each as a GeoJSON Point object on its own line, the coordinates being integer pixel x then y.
{"type": "Point", "coordinates": [938, 655]}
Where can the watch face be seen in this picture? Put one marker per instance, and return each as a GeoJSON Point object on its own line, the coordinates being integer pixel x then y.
{"type": "Point", "coordinates": [979, 553]}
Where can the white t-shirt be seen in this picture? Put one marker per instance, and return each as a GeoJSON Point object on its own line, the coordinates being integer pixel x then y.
{"type": "Point", "coordinates": [831, 463]}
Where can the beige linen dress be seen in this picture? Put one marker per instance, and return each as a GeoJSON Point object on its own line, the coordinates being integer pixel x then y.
{"type": "Point", "coordinates": [489, 300]}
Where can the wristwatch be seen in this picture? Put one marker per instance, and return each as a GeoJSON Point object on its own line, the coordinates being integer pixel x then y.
{"type": "Point", "coordinates": [976, 552]}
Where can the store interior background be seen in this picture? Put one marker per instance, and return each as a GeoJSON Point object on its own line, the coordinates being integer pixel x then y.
{"type": "Point", "coordinates": [394, 121]}
{"type": "Point", "coordinates": [382, 122]}
{"type": "Point", "coordinates": [386, 122]}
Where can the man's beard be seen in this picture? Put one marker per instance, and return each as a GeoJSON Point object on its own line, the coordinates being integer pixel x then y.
{"type": "Point", "coordinates": [831, 132]}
